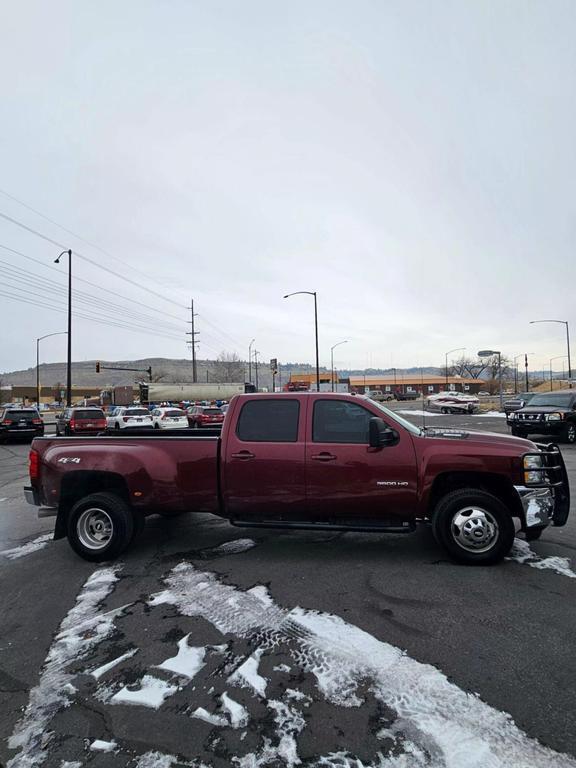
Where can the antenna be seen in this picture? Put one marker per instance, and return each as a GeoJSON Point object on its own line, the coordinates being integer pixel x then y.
{"type": "Point", "coordinates": [423, 411]}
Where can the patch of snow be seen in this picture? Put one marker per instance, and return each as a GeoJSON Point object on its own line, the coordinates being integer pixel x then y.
{"type": "Point", "coordinates": [97, 673]}
{"type": "Point", "coordinates": [203, 714]}
{"type": "Point", "coordinates": [187, 662]}
{"type": "Point", "coordinates": [262, 594]}
{"type": "Point", "coordinates": [291, 693]}
{"type": "Point", "coordinates": [247, 674]}
{"type": "Point", "coordinates": [103, 746]}
{"type": "Point", "coordinates": [234, 547]}
{"type": "Point", "coordinates": [455, 727]}
{"type": "Point", "coordinates": [69, 763]}
{"type": "Point", "coordinates": [522, 553]}
{"type": "Point", "coordinates": [155, 760]}
{"type": "Point", "coordinates": [282, 668]}
{"type": "Point", "coordinates": [491, 415]}
{"type": "Point", "coordinates": [151, 693]}
{"type": "Point", "coordinates": [236, 712]}
{"type": "Point", "coordinates": [81, 630]}
{"type": "Point", "coordinates": [28, 548]}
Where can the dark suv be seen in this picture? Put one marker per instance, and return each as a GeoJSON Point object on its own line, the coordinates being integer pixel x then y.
{"type": "Point", "coordinates": [80, 421]}
{"type": "Point", "coordinates": [547, 414]}
{"type": "Point", "coordinates": [517, 402]}
{"type": "Point", "coordinates": [20, 422]}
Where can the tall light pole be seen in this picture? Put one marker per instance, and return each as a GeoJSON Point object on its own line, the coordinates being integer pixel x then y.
{"type": "Point", "coordinates": [256, 353]}
{"type": "Point", "coordinates": [332, 360]}
{"type": "Point", "coordinates": [525, 355]}
{"type": "Point", "coordinates": [250, 361]}
{"type": "Point", "coordinates": [458, 349]}
{"type": "Point", "coordinates": [312, 293]}
{"type": "Point", "coordinates": [564, 322]}
{"type": "Point", "coordinates": [558, 357]}
{"type": "Point", "coordinates": [490, 353]}
{"type": "Point", "coordinates": [38, 340]}
{"type": "Point", "coordinates": [69, 363]}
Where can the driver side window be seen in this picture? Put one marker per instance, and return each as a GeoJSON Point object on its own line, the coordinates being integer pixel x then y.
{"type": "Point", "coordinates": [337, 421]}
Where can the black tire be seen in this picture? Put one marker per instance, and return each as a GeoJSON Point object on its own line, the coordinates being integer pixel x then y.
{"type": "Point", "coordinates": [116, 426]}
{"type": "Point", "coordinates": [58, 433]}
{"type": "Point", "coordinates": [486, 541]}
{"type": "Point", "coordinates": [67, 432]}
{"type": "Point", "coordinates": [533, 534]}
{"type": "Point", "coordinates": [444, 410]}
{"type": "Point", "coordinates": [570, 433]}
{"type": "Point", "coordinates": [100, 527]}
{"type": "Point", "coordinates": [156, 425]}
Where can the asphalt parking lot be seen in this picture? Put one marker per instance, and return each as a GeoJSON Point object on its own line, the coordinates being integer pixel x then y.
{"type": "Point", "coordinates": [217, 646]}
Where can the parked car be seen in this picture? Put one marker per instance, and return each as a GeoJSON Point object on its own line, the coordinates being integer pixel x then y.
{"type": "Point", "coordinates": [169, 418]}
{"type": "Point", "coordinates": [80, 421]}
{"type": "Point", "coordinates": [381, 396]}
{"type": "Point", "coordinates": [452, 402]}
{"type": "Point", "coordinates": [126, 417]}
{"type": "Point", "coordinates": [406, 395]}
{"type": "Point", "coordinates": [204, 416]}
{"type": "Point", "coordinates": [552, 414]}
{"type": "Point", "coordinates": [19, 422]}
{"type": "Point", "coordinates": [517, 402]}
{"type": "Point", "coordinates": [298, 460]}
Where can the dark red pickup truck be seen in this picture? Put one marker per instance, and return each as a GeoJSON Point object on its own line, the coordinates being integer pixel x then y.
{"type": "Point", "coordinates": [318, 461]}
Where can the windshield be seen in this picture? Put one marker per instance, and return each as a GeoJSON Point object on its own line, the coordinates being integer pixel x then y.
{"type": "Point", "coordinates": [554, 401]}
{"type": "Point", "coordinates": [90, 413]}
{"type": "Point", "coordinates": [174, 413]}
{"type": "Point", "coordinates": [212, 411]}
{"type": "Point", "coordinates": [136, 412]}
{"type": "Point", "coordinates": [412, 428]}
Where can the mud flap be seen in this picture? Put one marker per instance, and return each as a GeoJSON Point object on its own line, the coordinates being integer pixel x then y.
{"type": "Point", "coordinates": [562, 496]}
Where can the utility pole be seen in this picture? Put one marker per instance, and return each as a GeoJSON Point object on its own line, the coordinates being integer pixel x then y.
{"type": "Point", "coordinates": [250, 361]}
{"type": "Point", "coordinates": [192, 333]}
{"type": "Point", "coordinates": [526, 371]}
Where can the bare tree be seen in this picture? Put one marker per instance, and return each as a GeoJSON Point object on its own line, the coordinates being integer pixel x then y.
{"type": "Point", "coordinates": [227, 368]}
{"type": "Point", "coordinates": [3, 392]}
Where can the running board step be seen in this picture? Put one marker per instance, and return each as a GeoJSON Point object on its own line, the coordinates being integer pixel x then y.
{"type": "Point", "coordinates": [408, 528]}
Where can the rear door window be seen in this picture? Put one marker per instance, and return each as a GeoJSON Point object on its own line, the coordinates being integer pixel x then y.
{"type": "Point", "coordinates": [269, 421]}
{"type": "Point", "coordinates": [89, 413]}
{"type": "Point", "coordinates": [18, 415]}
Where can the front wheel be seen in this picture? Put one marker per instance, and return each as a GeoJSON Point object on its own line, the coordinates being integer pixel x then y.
{"type": "Point", "coordinates": [570, 433]}
{"type": "Point", "coordinates": [473, 526]}
{"type": "Point", "coordinates": [100, 527]}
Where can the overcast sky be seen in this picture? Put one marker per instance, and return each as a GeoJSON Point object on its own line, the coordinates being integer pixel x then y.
{"type": "Point", "coordinates": [412, 162]}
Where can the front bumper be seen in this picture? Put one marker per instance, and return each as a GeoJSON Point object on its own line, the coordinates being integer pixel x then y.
{"type": "Point", "coordinates": [538, 505]}
{"type": "Point", "coordinates": [537, 427]}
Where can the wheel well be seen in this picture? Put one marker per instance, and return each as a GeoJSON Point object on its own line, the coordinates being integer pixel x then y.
{"type": "Point", "coordinates": [77, 485]}
{"type": "Point", "coordinates": [497, 485]}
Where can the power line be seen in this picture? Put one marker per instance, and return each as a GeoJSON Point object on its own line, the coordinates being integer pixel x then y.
{"type": "Point", "coordinates": [30, 278]}
{"type": "Point", "coordinates": [94, 285]}
{"type": "Point", "coordinates": [89, 260]}
{"type": "Point", "coordinates": [74, 234]}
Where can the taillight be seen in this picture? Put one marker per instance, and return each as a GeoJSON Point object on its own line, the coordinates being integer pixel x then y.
{"type": "Point", "coordinates": [36, 421]}
{"type": "Point", "coordinates": [72, 424]}
{"type": "Point", "coordinates": [101, 423]}
{"type": "Point", "coordinates": [163, 418]}
{"type": "Point", "coordinates": [125, 418]}
{"type": "Point", "coordinates": [33, 465]}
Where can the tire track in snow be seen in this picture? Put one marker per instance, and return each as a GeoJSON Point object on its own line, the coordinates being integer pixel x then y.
{"type": "Point", "coordinates": [441, 725]}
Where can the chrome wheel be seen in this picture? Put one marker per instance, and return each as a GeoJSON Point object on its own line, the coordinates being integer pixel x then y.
{"type": "Point", "coordinates": [474, 529]}
{"type": "Point", "coordinates": [94, 528]}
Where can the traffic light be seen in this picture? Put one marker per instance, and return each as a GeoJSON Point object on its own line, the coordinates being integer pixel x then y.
{"type": "Point", "coordinates": [98, 367]}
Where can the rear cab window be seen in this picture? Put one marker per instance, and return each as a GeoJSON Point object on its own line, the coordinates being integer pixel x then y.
{"type": "Point", "coordinates": [269, 421]}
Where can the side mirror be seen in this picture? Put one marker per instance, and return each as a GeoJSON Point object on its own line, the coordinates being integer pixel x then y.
{"type": "Point", "coordinates": [380, 435]}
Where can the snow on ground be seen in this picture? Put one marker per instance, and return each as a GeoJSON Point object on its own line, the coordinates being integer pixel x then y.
{"type": "Point", "coordinates": [234, 547]}
{"type": "Point", "coordinates": [151, 693]}
{"type": "Point", "coordinates": [436, 723]}
{"type": "Point", "coordinates": [187, 662]}
{"type": "Point", "coordinates": [28, 548]}
{"type": "Point", "coordinates": [82, 629]}
{"type": "Point", "coordinates": [103, 746]}
{"type": "Point", "coordinates": [247, 674]}
{"type": "Point", "coordinates": [491, 415]}
{"type": "Point", "coordinates": [522, 553]}
{"type": "Point", "coordinates": [155, 760]}
{"type": "Point", "coordinates": [97, 673]}
{"type": "Point", "coordinates": [419, 413]}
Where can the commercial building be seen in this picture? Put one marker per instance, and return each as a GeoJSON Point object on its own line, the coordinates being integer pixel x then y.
{"type": "Point", "coordinates": [387, 384]}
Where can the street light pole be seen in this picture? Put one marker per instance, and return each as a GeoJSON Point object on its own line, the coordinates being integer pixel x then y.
{"type": "Point", "coordinates": [38, 340]}
{"type": "Point", "coordinates": [256, 353]}
{"type": "Point", "coordinates": [312, 293]}
{"type": "Point", "coordinates": [558, 357]}
{"type": "Point", "coordinates": [491, 353]}
{"type": "Point", "coordinates": [250, 361]}
{"type": "Point", "coordinates": [332, 360]}
{"type": "Point", "coordinates": [458, 349]}
{"type": "Point", "coordinates": [69, 362]}
{"type": "Point", "coordinates": [564, 322]}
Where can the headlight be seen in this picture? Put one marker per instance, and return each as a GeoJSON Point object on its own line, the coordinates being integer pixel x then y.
{"type": "Point", "coordinates": [534, 477]}
{"type": "Point", "coordinates": [553, 416]}
{"type": "Point", "coordinates": [532, 462]}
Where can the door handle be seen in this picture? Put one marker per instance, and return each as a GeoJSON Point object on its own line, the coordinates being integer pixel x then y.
{"type": "Point", "coordinates": [243, 455]}
{"type": "Point", "coordinates": [323, 457]}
